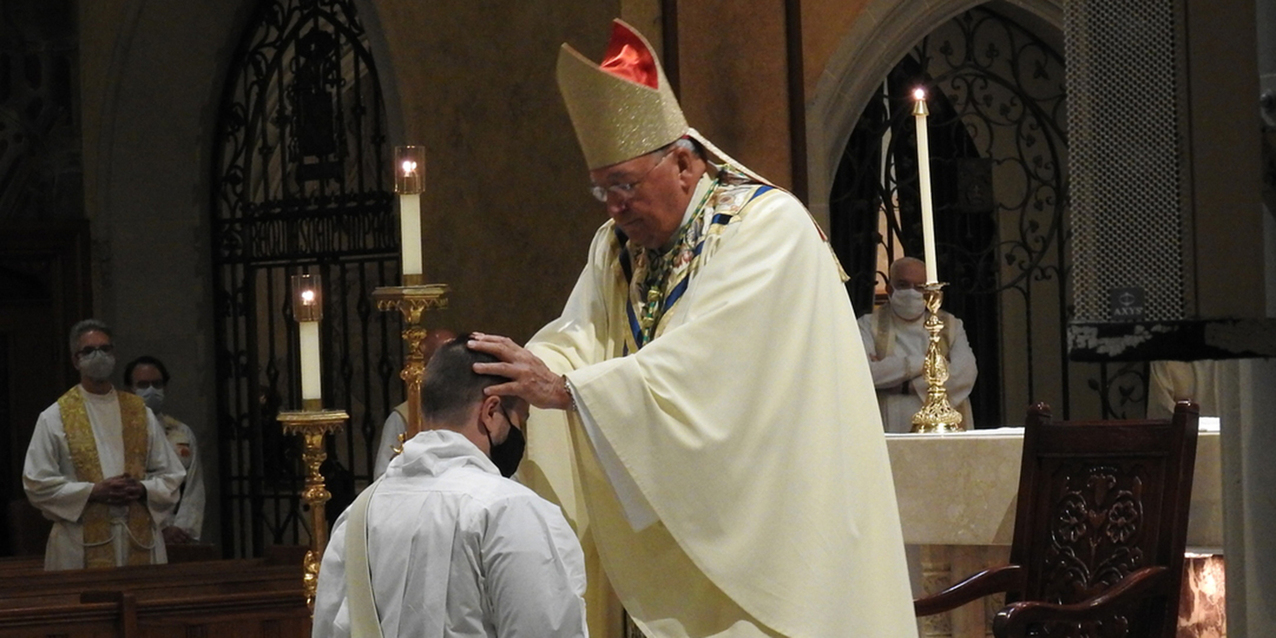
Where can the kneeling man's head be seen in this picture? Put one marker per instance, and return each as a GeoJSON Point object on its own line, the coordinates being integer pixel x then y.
{"type": "Point", "coordinates": [452, 397]}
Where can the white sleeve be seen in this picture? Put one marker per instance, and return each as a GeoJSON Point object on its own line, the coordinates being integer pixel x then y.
{"type": "Point", "coordinates": [164, 471]}
{"type": "Point", "coordinates": [332, 614]}
{"type": "Point", "coordinates": [190, 510]}
{"type": "Point", "coordinates": [394, 426]}
{"type": "Point", "coordinates": [535, 571]}
{"type": "Point", "coordinates": [887, 372]}
{"type": "Point", "coordinates": [962, 369]}
{"type": "Point", "coordinates": [638, 510]}
{"type": "Point", "coordinates": [48, 475]}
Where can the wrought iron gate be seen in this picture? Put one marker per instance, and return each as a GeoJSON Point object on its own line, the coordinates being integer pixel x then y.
{"type": "Point", "coordinates": [998, 161]}
{"type": "Point", "coordinates": [300, 184]}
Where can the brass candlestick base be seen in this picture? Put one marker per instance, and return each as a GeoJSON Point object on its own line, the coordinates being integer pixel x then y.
{"type": "Point", "coordinates": [412, 300]}
{"type": "Point", "coordinates": [936, 415]}
{"type": "Point", "coordinates": [314, 423]}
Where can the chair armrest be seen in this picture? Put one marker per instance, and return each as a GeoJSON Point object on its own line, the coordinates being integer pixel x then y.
{"type": "Point", "coordinates": [990, 581]}
{"type": "Point", "coordinates": [1014, 619]}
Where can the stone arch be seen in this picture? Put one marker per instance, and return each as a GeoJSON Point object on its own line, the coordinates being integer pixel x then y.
{"type": "Point", "coordinates": [885, 31]}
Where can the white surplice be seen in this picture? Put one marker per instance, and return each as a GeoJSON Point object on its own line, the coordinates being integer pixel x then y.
{"type": "Point", "coordinates": [49, 477]}
{"type": "Point", "coordinates": [458, 551]}
{"type": "Point", "coordinates": [733, 472]}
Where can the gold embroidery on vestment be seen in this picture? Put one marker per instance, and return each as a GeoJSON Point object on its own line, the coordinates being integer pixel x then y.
{"type": "Point", "coordinates": [98, 549]}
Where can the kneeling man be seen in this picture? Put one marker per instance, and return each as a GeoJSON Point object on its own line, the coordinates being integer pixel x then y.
{"type": "Point", "coordinates": [452, 547]}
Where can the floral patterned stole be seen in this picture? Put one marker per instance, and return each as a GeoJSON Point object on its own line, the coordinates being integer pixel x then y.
{"type": "Point", "coordinates": [98, 549]}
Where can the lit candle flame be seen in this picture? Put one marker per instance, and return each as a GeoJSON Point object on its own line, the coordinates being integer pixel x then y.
{"type": "Point", "coordinates": [409, 167]}
{"type": "Point", "coordinates": [308, 297]}
{"type": "Point", "coordinates": [919, 94]}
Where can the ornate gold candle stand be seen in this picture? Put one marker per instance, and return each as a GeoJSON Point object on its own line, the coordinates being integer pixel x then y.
{"type": "Point", "coordinates": [314, 423]}
{"type": "Point", "coordinates": [937, 414]}
{"type": "Point", "coordinates": [412, 300]}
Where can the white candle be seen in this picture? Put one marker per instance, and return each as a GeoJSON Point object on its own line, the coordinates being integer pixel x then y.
{"type": "Point", "coordinates": [410, 232]}
{"type": "Point", "coordinates": [310, 388]}
{"type": "Point", "coordinates": [923, 178]}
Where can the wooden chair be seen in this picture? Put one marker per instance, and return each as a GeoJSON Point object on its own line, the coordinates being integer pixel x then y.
{"type": "Point", "coordinates": [1100, 529]}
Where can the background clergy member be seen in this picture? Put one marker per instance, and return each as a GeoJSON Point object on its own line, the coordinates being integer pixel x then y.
{"type": "Point", "coordinates": [895, 338]}
{"type": "Point", "coordinates": [455, 549]}
{"type": "Point", "coordinates": [729, 489]}
{"type": "Point", "coordinates": [148, 377]}
{"type": "Point", "coordinates": [100, 467]}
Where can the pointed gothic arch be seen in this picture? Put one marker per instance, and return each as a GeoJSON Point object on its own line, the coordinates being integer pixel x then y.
{"type": "Point", "coordinates": [299, 184]}
{"type": "Point", "coordinates": [1008, 259]}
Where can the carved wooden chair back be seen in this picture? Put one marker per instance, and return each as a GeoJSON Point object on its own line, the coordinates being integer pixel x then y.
{"type": "Point", "coordinates": [1100, 500]}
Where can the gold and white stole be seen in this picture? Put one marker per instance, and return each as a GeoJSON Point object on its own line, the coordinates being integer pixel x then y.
{"type": "Point", "coordinates": [98, 549]}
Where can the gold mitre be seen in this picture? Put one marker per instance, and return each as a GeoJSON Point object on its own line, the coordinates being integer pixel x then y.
{"type": "Point", "coordinates": [623, 107]}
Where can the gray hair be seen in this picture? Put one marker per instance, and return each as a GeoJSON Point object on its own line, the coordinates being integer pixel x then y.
{"type": "Point", "coordinates": [904, 261]}
{"type": "Point", "coordinates": [88, 325]}
{"type": "Point", "coordinates": [683, 142]}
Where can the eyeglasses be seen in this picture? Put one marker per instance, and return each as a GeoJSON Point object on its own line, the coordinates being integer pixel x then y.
{"type": "Point", "coordinates": [623, 192]}
{"type": "Point", "coordinates": [88, 350]}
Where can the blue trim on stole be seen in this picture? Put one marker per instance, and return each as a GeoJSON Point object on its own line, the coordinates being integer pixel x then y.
{"type": "Point", "coordinates": [677, 291]}
{"type": "Point", "coordinates": [634, 327]}
{"type": "Point", "coordinates": [718, 219]}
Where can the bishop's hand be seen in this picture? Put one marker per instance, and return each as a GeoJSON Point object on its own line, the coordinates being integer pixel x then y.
{"type": "Point", "coordinates": [530, 379]}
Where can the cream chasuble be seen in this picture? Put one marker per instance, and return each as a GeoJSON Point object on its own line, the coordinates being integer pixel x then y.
{"type": "Point", "coordinates": [749, 426]}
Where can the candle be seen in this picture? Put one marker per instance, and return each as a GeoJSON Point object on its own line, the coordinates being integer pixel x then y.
{"type": "Point", "coordinates": [923, 175]}
{"type": "Point", "coordinates": [307, 309]}
{"type": "Point", "coordinates": [410, 232]}
{"type": "Point", "coordinates": [310, 388]}
{"type": "Point", "coordinates": [409, 181]}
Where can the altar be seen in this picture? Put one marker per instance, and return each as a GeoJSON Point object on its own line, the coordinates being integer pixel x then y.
{"type": "Point", "coordinates": [957, 497]}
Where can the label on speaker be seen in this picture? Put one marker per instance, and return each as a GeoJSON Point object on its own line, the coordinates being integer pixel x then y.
{"type": "Point", "coordinates": [1126, 304]}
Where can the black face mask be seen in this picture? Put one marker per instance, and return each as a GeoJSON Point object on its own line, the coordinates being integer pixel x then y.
{"type": "Point", "coordinates": [507, 455]}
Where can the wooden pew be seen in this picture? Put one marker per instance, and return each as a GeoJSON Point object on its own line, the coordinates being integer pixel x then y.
{"type": "Point", "coordinates": [247, 597]}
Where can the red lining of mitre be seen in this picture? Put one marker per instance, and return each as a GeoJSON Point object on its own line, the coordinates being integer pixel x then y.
{"type": "Point", "coordinates": [628, 57]}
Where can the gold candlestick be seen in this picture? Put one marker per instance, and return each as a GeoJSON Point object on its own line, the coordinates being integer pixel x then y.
{"type": "Point", "coordinates": [412, 300]}
{"type": "Point", "coordinates": [937, 414]}
{"type": "Point", "coordinates": [314, 423]}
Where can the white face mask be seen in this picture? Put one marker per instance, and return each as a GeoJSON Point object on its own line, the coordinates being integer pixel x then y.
{"type": "Point", "coordinates": [98, 365]}
{"type": "Point", "coordinates": [154, 397]}
{"type": "Point", "coordinates": [908, 304]}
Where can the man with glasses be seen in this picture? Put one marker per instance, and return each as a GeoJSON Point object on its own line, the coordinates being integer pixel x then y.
{"type": "Point", "coordinates": [895, 340]}
{"type": "Point", "coordinates": [100, 467]}
{"type": "Point", "coordinates": [707, 415]}
{"type": "Point", "coordinates": [442, 544]}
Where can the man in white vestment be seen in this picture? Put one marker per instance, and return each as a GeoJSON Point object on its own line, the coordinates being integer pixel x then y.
{"type": "Point", "coordinates": [396, 425]}
{"type": "Point", "coordinates": [895, 338]}
{"type": "Point", "coordinates": [147, 377]}
{"type": "Point", "coordinates": [706, 415]}
{"type": "Point", "coordinates": [100, 467]}
{"type": "Point", "coordinates": [453, 548]}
